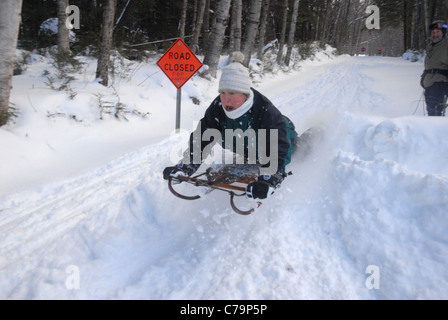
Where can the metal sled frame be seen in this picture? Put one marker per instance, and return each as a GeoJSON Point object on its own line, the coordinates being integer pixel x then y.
{"type": "Point", "coordinates": [229, 188]}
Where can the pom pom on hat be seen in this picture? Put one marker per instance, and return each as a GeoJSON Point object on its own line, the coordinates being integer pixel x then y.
{"type": "Point", "coordinates": [236, 56]}
{"type": "Point", "coordinates": [235, 77]}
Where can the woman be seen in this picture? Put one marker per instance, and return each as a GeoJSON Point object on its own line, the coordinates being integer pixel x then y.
{"type": "Point", "coordinates": [242, 116]}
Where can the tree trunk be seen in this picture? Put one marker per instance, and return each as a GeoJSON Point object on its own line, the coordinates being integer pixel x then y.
{"type": "Point", "coordinates": [416, 24]}
{"type": "Point", "coordinates": [63, 31]}
{"type": "Point", "coordinates": [335, 28]}
{"type": "Point", "coordinates": [9, 30]}
{"type": "Point", "coordinates": [426, 16]}
{"type": "Point", "coordinates": [326, 25]}
{"type": "Point", "coordinates": [405, 25]}
{"type": "Point", "coordinates": [283, 32]}
{"type": "Point", "coordinates": [198, 27]}
{"type": "Point", "coordinates": [183, 20]}
{"type": "Point", "coordinates": [206, 25]}
{"type": "Point", "coordinates": [292, 30]}
{"type": "Point", "coordinates": [195, 12]}
{"type": "Point", "coordinates": [263, 24]}
{"type": "Point", "coordinates": [252, 23]}
{"type": "Point", "coordinates": [235, 30]}
{"type": "Point", "coordinates": [102, 70]}
{"type": "Point", "coordinates": [216, 40]}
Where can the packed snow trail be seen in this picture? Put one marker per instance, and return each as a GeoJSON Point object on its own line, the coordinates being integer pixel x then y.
{"type": "Point", "coordinates": [365, 196]}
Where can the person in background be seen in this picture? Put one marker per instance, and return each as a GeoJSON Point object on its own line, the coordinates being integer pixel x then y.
{"type": "Point", "coordinates": [239, 106]}
{"type": "Point", "coordinates": [435, 76]}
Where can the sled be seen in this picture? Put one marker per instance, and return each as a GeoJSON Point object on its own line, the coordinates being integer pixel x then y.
{"type": "Point", "coordinates": [232, 179]}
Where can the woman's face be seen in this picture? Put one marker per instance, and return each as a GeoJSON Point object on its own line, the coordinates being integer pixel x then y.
{"type": "Point", "coordinates": [232, 100]}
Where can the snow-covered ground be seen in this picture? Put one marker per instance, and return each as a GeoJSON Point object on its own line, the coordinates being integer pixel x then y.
{"type": "Point", "coordinates": [85, 213]}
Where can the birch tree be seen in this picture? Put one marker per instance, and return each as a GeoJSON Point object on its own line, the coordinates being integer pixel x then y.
{"type": "Point", "coordinates": [292, 30]}
{"type": "Point", "coordinates": [183, 19]}
{"type": "Point", "coordinates": [252, 22]}
{"type": "Point", "coordinates": [198, 27]}
{"type": "Point", "coordinates": [235, 29]}
{"type": "Point", "coordinates": [63, 31]}
{"type": "Point", "coordinates": [216, 40]}
{"type": "Point", "coordinates": [206, 25]}
{"type": "Point", "coordinates": [426, 16]}
{"type": "Point", "coordinates": [9, 30]}
{"type": "Point", "coordinates": [416, 22]}
{"type": "Point", "coordinates": [262, 31]}
{"type": "Point", "coordinates": [283, 32]}
{"type": "Point", "coordinates": [102, 70]}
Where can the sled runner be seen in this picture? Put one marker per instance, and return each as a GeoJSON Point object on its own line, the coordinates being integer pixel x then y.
{"type": "Point", "coordinates": [232, 179]}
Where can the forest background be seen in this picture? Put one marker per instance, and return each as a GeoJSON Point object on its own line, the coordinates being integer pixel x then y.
{"type": "Point", "coordinates": [212, 28]}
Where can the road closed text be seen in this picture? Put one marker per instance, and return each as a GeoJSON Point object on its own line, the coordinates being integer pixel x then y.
{"type": "Point", "coordinates": [179, 67]}
{"type": "Point", "coordinates": [179, 62]}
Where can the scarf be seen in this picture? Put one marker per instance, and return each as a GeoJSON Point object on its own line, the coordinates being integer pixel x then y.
{"type": "Point", "coordinates": [235, 114]}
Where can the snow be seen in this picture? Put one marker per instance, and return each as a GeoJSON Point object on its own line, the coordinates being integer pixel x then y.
{"type": "Point", "coordinates": [50, 27]}
{"type": "Point", "coordinates": [85, 213]}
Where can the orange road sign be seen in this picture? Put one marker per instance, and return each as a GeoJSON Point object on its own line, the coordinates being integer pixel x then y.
{"type": "Point", "coordinates": [179, 63]}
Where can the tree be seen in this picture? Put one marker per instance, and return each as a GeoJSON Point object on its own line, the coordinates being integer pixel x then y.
{"type": "Point", "coordinates": [252, 22]}
{"type": "Point", "coordinates": [235, 29]}
{"type": "Point", "coordinates": [283, 32]}
{"type": "Point", "coordinates": [102, 70]}
{"type": "Point", "coordinates": [292, 30]}
{"type": "Point", "coordinates": [426, 16]}
{"type": "Point", "coordinates": [263, 25]}
{"type": "Point", "coordinates": [183, 19]}
{"type": "Point", "coordinates": [340, 23]}
{"type": "Point", "coordinates": [9, 31]}
{"type": "Point", "coordinates": [198, 27]}
{"type": "Point", "coordinates": [206, 26]}
{"type": "Point", "coordinates": [63, 31]}
{"type": "Point", "coordinates": [216, 40]}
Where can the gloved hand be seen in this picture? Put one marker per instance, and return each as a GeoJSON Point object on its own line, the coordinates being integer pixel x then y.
{"type": "Point", "coordinates": [180, 169]}
{"type": "Point", "coordinates": [421, 81]}
{"type": "Point", "coordinates": [264, 186]}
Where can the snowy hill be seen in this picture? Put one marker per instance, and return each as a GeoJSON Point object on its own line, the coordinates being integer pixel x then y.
{"type": "Point", "coordinates": [85, 213]}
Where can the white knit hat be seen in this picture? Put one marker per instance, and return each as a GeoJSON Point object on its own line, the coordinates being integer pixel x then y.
{"type": "Point", "coordinates": [235, 77]}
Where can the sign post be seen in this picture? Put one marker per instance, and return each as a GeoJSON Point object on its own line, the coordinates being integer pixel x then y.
{"type": "Point", "coordinates": [179, 64]}
{"type": "Point", "coordinates": [178, 103]}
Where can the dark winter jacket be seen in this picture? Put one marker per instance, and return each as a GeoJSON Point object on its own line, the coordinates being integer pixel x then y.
{"type": "Point", "coordinates": [262, 115]}
{"type": "Point", "coordinates": [436, 63]}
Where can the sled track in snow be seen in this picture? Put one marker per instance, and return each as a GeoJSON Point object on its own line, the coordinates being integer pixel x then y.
{"type": "Point", "coordinates": [44, 217]}
{"type": "Point", "coordinates": [331, 91]}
